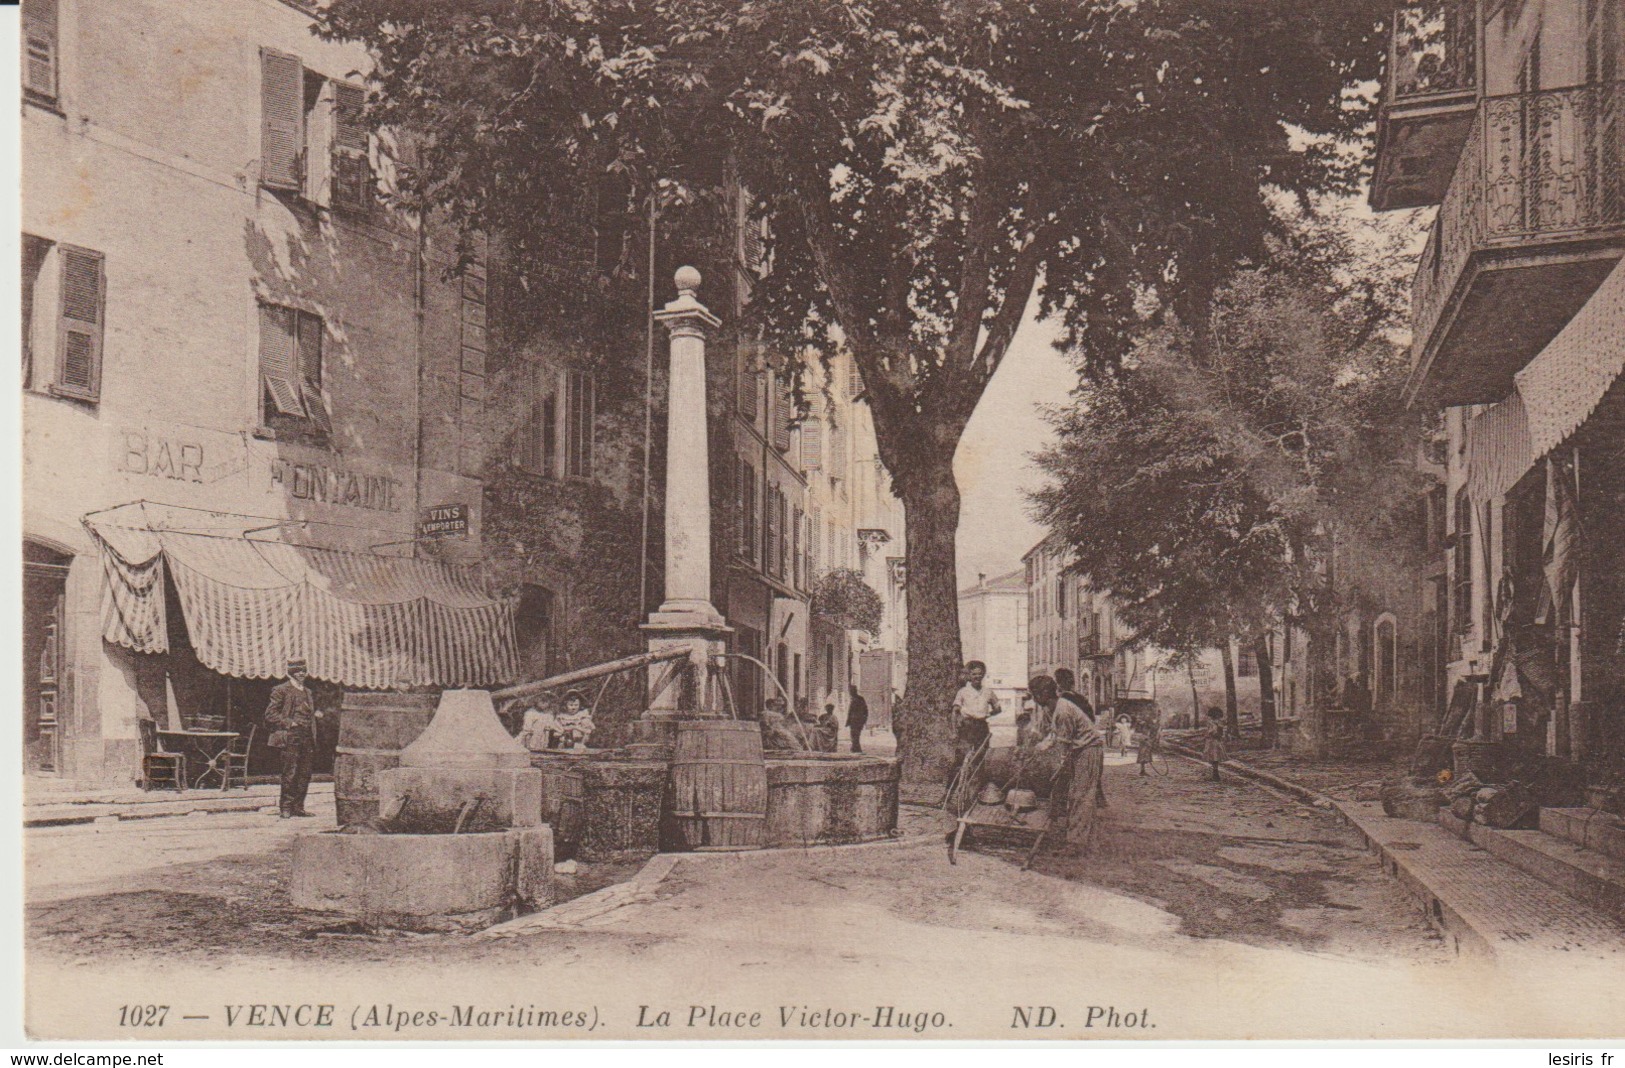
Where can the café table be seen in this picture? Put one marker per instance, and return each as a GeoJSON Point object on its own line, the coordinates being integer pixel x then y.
{"type": "Point", "coordinates": [203, 749]}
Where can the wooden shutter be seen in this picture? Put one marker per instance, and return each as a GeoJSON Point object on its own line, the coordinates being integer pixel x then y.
{"type": "Point", "coordinates": [797, 559]}
{"type": "Point", "coordinates": [747, 398]}
{"type": "Point", "coordinates": [812, 444]}
{"type": "Point", "coordinates": [578, 429]}
{"type": "Point", "coordinates": [782, 400]}
{"type": "Point", "coordinates": [310, 332]}
{"type": "Point", "coordinates": [83, 306]}
{"type": "Point", "coordinates": [282, 120]}
{"type": "Point", "coordinates": [279, 361]}
{"type": "Point", "coordinates": [854, 378]}
{"type": "Point", "coordinates": [352, 168]}
{"type": "Point", "coordinates": [39, 26]}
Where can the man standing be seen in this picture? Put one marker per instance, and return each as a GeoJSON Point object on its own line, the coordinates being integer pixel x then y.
{"type": "Point", "coordinates": [857, 717]}
{"type": "Point", "coordinates": [292, 717]}
{"type": "Point", "coordinates": [973, 706]}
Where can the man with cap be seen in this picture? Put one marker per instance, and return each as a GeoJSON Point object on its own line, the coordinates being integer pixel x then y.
{"type": "Point", "coordinates": [292, 718]}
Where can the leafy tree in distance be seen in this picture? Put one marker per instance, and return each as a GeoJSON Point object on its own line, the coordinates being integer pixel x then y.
{"type": "Point", "coordinates": [1258, 469]}
{"type": "Point", "coordinates": [930, 171]}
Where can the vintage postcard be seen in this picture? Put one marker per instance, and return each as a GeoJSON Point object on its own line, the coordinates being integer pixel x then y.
{"type": "Point", "coordinates": [861, 520]}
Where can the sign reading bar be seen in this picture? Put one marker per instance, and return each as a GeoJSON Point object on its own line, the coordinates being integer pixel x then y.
{"type": "Point", "coordinates": [444, 521]}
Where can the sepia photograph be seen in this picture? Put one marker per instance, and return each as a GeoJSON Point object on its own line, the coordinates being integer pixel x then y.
{"type": "Point", "coordinates": [822, 520]}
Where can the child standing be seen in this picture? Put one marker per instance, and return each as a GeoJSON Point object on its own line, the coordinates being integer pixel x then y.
{"type": "Point", "coordinates": [1149, 741]}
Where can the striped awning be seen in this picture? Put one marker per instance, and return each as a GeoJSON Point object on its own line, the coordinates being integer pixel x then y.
{"type": "Point", "coordinates": [1498, 449]}
{"type": "Point", "coordinates": [359, 619]}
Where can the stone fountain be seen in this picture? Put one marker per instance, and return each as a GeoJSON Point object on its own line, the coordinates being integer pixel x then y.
{"type": "Point", "coordinates": [460, 842]}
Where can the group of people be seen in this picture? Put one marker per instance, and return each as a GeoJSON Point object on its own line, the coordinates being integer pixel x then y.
{"type": "Point", "coordinates": [820, 735]}
{"type": "Point", "coordinates": [1059, 750]}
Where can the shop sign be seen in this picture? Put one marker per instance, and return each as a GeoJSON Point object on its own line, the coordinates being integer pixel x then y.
{"type": "Point", "coordinates": [322, 484]}
{"type": "Point", "coordinates": [443, 521]}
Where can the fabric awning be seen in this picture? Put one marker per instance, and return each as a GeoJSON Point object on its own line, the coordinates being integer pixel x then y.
{"type": "Point", "coordinates": [1498, 449]}
{"type": "Point", "coordinates": [359, 619]}
{"type": "Point", "coordinates": [1563, 385]}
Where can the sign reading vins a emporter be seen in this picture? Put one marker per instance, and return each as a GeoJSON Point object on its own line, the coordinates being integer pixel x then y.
{"type": "Point", "coordinates": [444, 521]}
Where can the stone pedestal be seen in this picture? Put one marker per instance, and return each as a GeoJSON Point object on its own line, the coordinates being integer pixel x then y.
{"type": "Point", "coordinates": [435, 797]}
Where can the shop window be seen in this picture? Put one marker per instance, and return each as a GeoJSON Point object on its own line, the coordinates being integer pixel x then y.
{"type": "Point", "coordinates": [40, 55]}
{"type": "Point", "coordinates": [291, 397]}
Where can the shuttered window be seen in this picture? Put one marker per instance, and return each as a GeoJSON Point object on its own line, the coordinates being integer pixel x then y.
{"type": "Point", "coordinates": [854, 378]}
{"type": "Point", "coordinates": [812, 444]}
{"type": "Point", "coordinates": [747, 512]}
{"type": "Point", "coordinates": [770, 542]}
{"type": "Point", "coordinates": [579, 415]}
{"type": "Point", "coordinates": [39, 34]}
{"type": "Point", "coordinates": [352, 167]}
{"type": "Point", "coordinates": [291, 370]}
{"type": "Point", "coordinates": [783, 401]}
{"type": "Point", "coordinates": [282, 121]}
{"type": "Point", "coordinates": [748, 399]}
{"type": "Point", "coordinates": [81, 327]}
{"type": "Point", "coordinates": [798, 563]}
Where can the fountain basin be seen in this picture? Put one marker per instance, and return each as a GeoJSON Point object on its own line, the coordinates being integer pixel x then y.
{"type": "Point", "coordinates": [830, 798]}
{"type": "Point", "coordinates": [434, 797]}
{"type": "Point", "coordinates": [606, 803]}
{"type": "Point", "coordinates": [425, 882]}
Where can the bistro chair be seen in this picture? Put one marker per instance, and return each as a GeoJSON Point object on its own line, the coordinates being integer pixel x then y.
{"type": "Point", "coordinates": [235, 768]}
{"type": "Point", "coordinates": [159, 766]}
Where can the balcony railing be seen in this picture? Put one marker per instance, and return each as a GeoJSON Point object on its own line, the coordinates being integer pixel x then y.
{"type": "Point", "coordinates": [1430, 86]}
{"type": "Point", "coordinates": [1433, 50]}
{"type": "Point", "coordinates": [1539, 171]}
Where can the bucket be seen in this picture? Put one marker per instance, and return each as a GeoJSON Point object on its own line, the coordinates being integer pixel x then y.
{"type": "Point", "coordinates": [719, 786]}
{"type": "Point", "coordinates": [373, 729]}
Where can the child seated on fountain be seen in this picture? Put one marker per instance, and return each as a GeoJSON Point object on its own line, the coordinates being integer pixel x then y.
{"type": "Point", "coordinates": [574, 721]}
{"type": "Point", "coordinates": [538, 730]}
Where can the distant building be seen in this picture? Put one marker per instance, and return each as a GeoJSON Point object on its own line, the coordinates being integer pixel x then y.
{"type": "Point", "coordinates": [993, 622]}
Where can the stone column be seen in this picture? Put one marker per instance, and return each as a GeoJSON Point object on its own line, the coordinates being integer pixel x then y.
{"type": "Point", "coordinates": [686, 617]}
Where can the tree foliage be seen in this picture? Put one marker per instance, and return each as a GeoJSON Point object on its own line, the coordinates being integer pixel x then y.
{"type": "Point", "coordinates": [1256, 467]}
{"type": "Point", "coordinates": [929, 171]}
{"type": "Point", "coordinates": [842, 597]}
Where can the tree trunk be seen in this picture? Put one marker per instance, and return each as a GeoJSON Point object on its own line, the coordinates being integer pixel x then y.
{"type": "Point", "coordinates": [1196, 698]}
{"type": "Point", "coordinates": [1232, 720]}
{"type": "Point", "coordinates": [923, 722]}
{"type": "Point", "coordinates": [1266, 689]}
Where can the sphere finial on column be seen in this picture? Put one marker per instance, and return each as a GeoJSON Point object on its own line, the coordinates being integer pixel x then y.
{"type": "Point", "coordinates": [688, 281]}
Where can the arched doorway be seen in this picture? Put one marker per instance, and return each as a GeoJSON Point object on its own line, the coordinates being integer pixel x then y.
{"type": "Point", "coordinates": [45, 583]}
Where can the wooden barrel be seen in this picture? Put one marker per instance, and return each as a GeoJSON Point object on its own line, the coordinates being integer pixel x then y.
{"type": "Point", "coordinates": [719, 785]}
{"type": "Point", "coordinates": [373, 729]}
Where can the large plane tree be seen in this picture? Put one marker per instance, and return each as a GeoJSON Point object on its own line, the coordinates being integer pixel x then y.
{"type": "Point", "coordinates": [931, 173]}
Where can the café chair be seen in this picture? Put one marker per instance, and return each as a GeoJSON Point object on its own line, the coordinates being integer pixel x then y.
{"type": "Point", "coordinates": [236, 760]}
{"type": "Point", "coordinates": [159, 766]}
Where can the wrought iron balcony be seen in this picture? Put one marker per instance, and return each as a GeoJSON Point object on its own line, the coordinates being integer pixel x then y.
{"type": "Point", "coordinates": [1430, 88]}
{"type": "Point", "coordinates": [1533, 221]}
